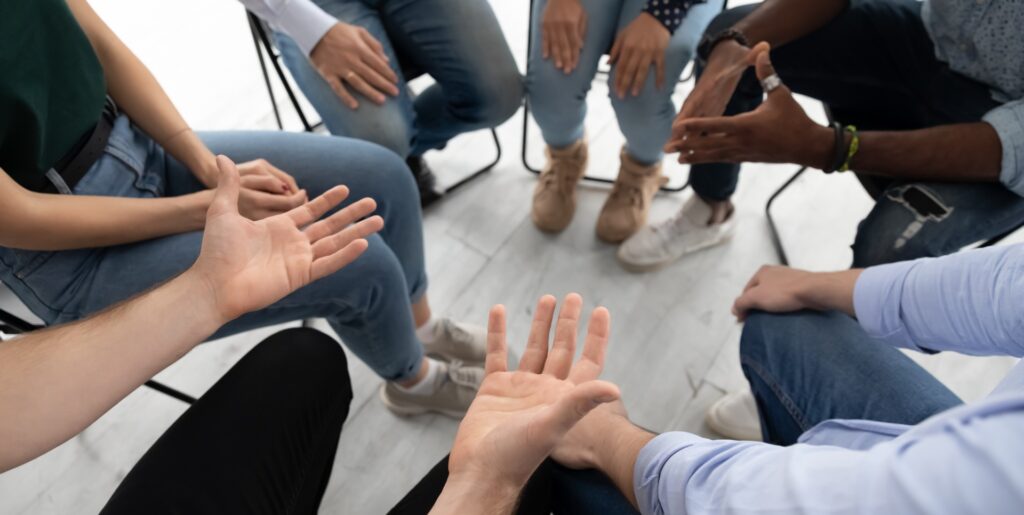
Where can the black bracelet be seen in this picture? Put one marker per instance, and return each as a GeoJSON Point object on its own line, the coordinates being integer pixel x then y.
{"type": "Point", "coordinates": [839, 152]}
{"type": "Point", "coordinates": [710, 42]}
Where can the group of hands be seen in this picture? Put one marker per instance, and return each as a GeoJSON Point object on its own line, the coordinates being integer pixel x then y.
{"type": "Point", "coordinates": [549, 406]}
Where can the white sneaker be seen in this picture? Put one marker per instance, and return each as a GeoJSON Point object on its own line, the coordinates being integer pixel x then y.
{"type": "Point", "coordinates": [657, 245]}
{"type": "Point", "coordinates": [735, 417]}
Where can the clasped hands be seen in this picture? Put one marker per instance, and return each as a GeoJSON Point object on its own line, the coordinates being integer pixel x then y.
{"type": "Point", "coordinates": [778, 131]}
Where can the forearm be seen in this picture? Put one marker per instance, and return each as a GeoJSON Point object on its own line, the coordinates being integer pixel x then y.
{"type": "Point", "coordinates": [969, 152]}
{"type": "Point", "coordinates": [616, 454]}
{"type": "Point", "coordinates": [137, 93]}
{"type": "Point", "coordinates": [54, 383]}
{"type": "Point", "coordinates": [63, 222]}
{"type": "Point", "coordinates": [467, 496]}
{"type": "Point", "coordinates": [778, 22]}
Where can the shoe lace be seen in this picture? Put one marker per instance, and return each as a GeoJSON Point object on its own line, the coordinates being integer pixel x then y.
{"type": "Point", "coordinates": [462, 375]}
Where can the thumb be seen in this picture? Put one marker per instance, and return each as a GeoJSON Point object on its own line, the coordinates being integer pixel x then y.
{"type": "Point", "coordinates": [225, 199]}
{"type": "Point", "coordinates": [560, 417]}
{"type": "Point", "coordinates": [763, 65]}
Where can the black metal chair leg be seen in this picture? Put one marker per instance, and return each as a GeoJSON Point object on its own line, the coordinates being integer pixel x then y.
{"type": "Point", "coordinates": [482, 171]}
{"type": "Point", "coordinates": [259, 35]}
{"type": "Point", "coordinates": [776, 238]}
{"type": "Point", "coordinates": [263, 68]}
{"type": "Point", "coordinates": [171, 392]}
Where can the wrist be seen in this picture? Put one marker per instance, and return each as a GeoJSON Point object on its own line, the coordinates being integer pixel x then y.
{"type": "Point", "coordinates": [729, 52]}
{"type": "Point", "coordinates": [193, 208]}
{"type": "Point", "coordinates": [820, 151]}
{"type": "Point", "coordinates": [207, 316]}
{"type": "Point", "coordinates": [469, 493]}
{"type": "Point", "coordinates": [824, 291]}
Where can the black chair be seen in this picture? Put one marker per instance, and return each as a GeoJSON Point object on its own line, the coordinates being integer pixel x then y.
{"type": "Point", "coordinates": [11, 324]}
{"type": "Point", "coordinates": [264, 45]}
{"type": "Point", "coordinates": [601, 72]}
{"type": "Point", "coordinates": [780, 249]}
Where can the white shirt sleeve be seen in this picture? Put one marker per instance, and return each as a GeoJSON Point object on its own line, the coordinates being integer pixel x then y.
{"type": "Point", "coordinates": [302, 20]}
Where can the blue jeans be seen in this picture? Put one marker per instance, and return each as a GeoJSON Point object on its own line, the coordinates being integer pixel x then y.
{"type": "Point", "coordinates": [559, 101]}
{"type": "Point", "coordinates": [367, 303]}
{"type": "Point", "coordinates": [874, 65]}
{"type": "Point", "coordinates": [457, 42]}
{"type": "Point", "coordinates": [808, 367]}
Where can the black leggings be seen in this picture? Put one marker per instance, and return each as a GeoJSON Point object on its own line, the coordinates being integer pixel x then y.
{"type": "Point", "coordinates": [262, 440]}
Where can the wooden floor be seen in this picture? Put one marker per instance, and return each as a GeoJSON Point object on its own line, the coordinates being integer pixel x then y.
{"type": "Point", "coordinates": [673, 348]}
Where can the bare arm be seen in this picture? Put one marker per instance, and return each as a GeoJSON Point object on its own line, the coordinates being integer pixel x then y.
{"type": "Point", "coordinates": [139, 95]}
{"type": "Point", "coordinates": [969, 152]}
{"type": "Point", "coordinates": [39, 221]}
{"type": "Point", "coordinates": [55, 383]}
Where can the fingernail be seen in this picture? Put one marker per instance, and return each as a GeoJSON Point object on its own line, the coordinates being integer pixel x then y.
{"type": "Point", "coordinates": [604, 399]}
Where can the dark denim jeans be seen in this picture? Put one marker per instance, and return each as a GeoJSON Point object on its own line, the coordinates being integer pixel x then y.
{"type": "Point", "coordinates": [875, 67]}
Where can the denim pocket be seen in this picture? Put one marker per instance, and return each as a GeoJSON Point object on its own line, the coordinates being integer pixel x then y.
{"type": "Point", "coordinates": [131, 166]}
{"type": "Point", "coordinates": [26, 262]}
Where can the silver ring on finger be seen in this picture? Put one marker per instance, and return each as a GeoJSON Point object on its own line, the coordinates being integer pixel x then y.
{"type": "Point", "coordinates": [771, 82]}
{"type": "Point", "coordinates": [349, 75]}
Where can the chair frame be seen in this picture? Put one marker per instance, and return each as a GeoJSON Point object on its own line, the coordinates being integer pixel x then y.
{"type": "Point", "coordinates": [265, 51]}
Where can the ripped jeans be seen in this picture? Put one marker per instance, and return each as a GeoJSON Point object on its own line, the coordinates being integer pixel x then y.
{"type": "Point", "coordinates": [874, 65]}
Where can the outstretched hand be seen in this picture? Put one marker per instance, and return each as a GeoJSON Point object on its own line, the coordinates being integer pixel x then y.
{"type": "Point", "coordinates": [778, 131]}
{"type": "Point", "coordinates": [249, 264]}
{"type": "Point", "coordinates": [519, 417]}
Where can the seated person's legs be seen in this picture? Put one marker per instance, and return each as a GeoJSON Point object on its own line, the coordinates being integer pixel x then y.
{"type": "Point", "coordinates": [932, 219]}
{"type": "Point", "coordinates": [390, 123]}
{"type": "Point", "coordinates": [645, 117]}
{"type": "Point", "coordinates": [461, 45]}
{"type": "Point", "coordinates": [367, 303]}
{"type": "Point", "coordinates": [807, 367]}
{"type": "Point", "coordinates": [273, 419]}
{"type": "Point", "coordinates": [558, 103]}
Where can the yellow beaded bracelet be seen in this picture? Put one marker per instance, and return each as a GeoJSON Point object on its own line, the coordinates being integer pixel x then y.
{"type": "Point", "coordinates": [854, 146]}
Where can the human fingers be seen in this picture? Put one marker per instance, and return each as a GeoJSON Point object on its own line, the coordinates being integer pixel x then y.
{"type": "Point", "coordinates": [537, 343]}
{"type": "Point", "coordinates": [559, 360]}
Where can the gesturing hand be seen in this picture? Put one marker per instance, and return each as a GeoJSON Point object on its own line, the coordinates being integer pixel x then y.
{"type": "Point", "coordinates": [641, 44]}
{"type": "Point", "coordinates": [249, 265]}
{"type": "Point", "coordinates": [778, 131]}
{"type": "Point", "coordinates": [562, 28]}
{"type": "Point", "coordinates": [518, 417]}
{"type": "Point", "coordinates": [350, 54]}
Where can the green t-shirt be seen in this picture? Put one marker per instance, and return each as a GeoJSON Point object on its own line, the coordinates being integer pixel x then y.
{"type": "Point", "coordinates": [52, 88]}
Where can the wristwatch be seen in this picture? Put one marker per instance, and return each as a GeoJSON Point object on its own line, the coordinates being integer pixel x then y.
{"type": "Point", "coordinates": [710, 42]}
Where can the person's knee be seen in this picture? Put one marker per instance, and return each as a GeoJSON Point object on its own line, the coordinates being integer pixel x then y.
{"type": "Point", "coordinates": [384, 125]}
{"type": "Point", "coordinates": [774, 339]}
{"type": "Point", "coordinates": [494, 97]}
{"type": "Point", "coordinates": [385, 176]}
{"type": "Point", "coordinates": [308, 362]}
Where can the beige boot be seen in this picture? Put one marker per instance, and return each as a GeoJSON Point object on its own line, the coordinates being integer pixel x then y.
{"type": "Point", "coordinates": [625, 211]}
{"type": "Point", "coordinates": [554, 198]}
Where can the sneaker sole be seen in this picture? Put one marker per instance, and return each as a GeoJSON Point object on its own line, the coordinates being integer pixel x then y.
{"type": "Point", "coordinates": [640, 268]}
{"type": "Point", "coordinates": [409, 411]}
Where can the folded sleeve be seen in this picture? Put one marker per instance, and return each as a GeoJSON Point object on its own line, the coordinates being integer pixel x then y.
{"type": "Point", "coordinates": [969, 302]}
{"type": "Point", "coordinates": [670, 12]}
{"type": "Point", "coordinates": [679, 473]}
{"type": "Point", "coordinates": [1008, 121]}
{"type": "Point", "coordinates": [302, 20]}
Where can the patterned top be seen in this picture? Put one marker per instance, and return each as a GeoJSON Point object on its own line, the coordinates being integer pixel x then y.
{"type": "Point", "coordinates": [983, 40]}
{"type": "Point", "coordinates": [670, 12]}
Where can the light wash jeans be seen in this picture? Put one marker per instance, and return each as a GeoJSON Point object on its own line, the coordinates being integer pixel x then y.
{"type": "Point", "coordinates": [457, 42]}
{"type": "Point", "coordinates": [559, 101]}
{"type": "Point", "coordinates": [367, 303]}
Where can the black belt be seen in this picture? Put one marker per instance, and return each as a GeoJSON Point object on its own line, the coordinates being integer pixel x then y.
{"type": "Point", "coordinates": [74, 165]}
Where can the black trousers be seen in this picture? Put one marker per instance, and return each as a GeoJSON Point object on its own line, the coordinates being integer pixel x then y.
{"type": "Point", "coordinates": [262, 440]}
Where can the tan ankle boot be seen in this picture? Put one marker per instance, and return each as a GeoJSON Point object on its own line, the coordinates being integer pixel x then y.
{"type": "Point", "coordinates": [625, 211]}
{"type": "Point", "coordinates": [554, 198]}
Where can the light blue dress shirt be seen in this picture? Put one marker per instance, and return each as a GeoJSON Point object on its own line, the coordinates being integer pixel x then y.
{"type": "Point", "coordinates": [969, 459]}
{"type": "Point", "coordinates": [984, 40]}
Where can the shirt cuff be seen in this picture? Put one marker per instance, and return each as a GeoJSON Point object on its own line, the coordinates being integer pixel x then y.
{"type": "Point", "coordinates": [1008, 121]}
{"type": "Point", "coordinates": [876, 302]}
{"type": "Point", "coordinates": [670, 14]}
{"type": "Point", "coordinates": [305, 22]}
{"type": "Point", "coordinates": [649, 464]}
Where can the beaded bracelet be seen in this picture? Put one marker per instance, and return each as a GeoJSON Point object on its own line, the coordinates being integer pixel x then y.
{"type": "Point", "coordinates": [854, 147]}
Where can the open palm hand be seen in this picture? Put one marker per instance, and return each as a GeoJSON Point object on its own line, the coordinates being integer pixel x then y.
{"type": "Point", "coordinates": [518, 417]}
{"type": "Point", "coordinates": [252, 264]}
